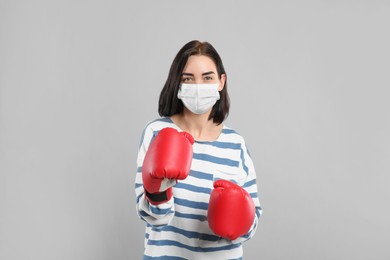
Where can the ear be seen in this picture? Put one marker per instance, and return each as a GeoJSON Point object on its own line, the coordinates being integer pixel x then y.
{"type": "Point", "coordinates": [222, 82]}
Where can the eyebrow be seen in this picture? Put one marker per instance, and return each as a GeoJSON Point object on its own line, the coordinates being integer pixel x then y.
{"type": "Point", "coordinates": [203, 74]}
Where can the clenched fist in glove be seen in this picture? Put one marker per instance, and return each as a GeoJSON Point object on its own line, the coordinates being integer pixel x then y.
{"type": "Point", "coordinates": [167, 160]}
{"type": "Point", "coordinates": [231, 210]}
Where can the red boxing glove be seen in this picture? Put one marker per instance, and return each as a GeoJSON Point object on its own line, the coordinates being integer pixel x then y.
{"type": "Point", "coordinates": [231, 210]}
{"type": "Point", "coordinates": [167, 160]}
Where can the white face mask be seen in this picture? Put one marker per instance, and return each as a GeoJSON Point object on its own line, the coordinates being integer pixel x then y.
{"type": "Point", "coordinates": [198, 98]}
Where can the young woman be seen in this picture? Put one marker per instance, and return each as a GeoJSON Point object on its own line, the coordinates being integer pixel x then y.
{"type": "Point", "coordinates": [212, 211]}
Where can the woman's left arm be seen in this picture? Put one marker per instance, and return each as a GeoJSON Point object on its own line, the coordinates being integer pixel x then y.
{"type": "Point", "coordinates": [250, 186]}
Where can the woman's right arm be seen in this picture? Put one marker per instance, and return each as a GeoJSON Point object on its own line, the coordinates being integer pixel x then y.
{"type": "Point", "coordinates": [155, 215]}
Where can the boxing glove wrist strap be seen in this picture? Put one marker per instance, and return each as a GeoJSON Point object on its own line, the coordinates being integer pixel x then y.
{"type": "Point", "coordinates": [157, 198]}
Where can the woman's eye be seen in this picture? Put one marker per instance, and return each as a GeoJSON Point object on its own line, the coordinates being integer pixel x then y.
{"type": "Point", "coordinates": [186, 79]}
{"type": "Point", "coordinates": [208, 78]}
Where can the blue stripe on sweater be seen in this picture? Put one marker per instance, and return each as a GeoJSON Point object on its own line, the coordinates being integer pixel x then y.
{"type": "Point", "coordinates": [259, 211]}
{"type": "Point", "coordinates": [243, 163]}
{"type": "Point", "coordinates": [191, 216]}
{"type": "Point", "coordinates": [192, 248]}
{"type": "Point", "coordinates": [165, 119]}
{"type": "Point", "coordinates": [201, 175]}
{"type": "Point", "coordinates": [190, 187]}
{"type": "Point", "coordinates": [139, 197]}
{"type": "Point", "coordinates": [226, 145]}
{"type": "Point", "coordinates": [189, 234]}
{"type": "Point", "coordinates": [142, 213]}
{"type": "Point", "coordinates": [228, 131]}
{"type": "Point", "coordinates": [192, 204]}
{"type": "Point", "coordinates": [223, 145]}
{"type": "Point", "coordinates": [164, 257]}
{"type": "Point", "coordinates": [159, 211]}
{"type": "Point", "coordinates": [214, 159]}
{"type": "Point", "coordinates": [249, 183]}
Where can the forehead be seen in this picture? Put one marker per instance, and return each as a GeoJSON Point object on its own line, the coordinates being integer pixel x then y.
{"type": "Point", "coordinates": [200, 64]}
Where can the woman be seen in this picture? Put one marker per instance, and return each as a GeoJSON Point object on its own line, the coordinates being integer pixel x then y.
{"type": "Point", "coordinates": [182, 218]}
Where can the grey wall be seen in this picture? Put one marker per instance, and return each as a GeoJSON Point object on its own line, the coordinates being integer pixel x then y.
{"type": "Point", "coordinates": [309, 83]}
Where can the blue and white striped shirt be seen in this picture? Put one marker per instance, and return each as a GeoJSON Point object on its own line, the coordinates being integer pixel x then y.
{"type": "Point", "coordinates": [178, 229]}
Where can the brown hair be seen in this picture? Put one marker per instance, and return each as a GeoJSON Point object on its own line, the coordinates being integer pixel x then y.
{"type": "Point", "coordinates": [169, 104]}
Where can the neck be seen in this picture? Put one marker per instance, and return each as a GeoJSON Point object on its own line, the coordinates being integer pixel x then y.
{"type": "Point", "coordinates": [198, 125]}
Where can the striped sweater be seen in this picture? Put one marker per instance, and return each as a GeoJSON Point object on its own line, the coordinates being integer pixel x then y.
{"type": "Point", "coordinates": [178, 229]}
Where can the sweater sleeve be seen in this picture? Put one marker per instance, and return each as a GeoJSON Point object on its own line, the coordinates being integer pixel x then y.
{"type": "Point", "coordinates": [155, 215]}
{"type": "Point", "coordinates": [250, 185]}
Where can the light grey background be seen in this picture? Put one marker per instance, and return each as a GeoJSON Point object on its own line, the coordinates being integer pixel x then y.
{"type": "Point", "coordinates": [309, 84]}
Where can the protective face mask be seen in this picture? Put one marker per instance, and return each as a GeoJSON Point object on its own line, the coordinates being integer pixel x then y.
{"type": "Point", "coordinates": [198, 98]}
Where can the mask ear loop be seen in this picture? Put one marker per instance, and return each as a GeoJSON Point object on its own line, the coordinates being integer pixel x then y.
{"type": "Point", "coordinates": [218, 92]}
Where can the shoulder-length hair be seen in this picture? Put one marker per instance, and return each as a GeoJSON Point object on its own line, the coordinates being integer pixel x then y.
{"type": "Point", "coordinates": [170, 105]}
